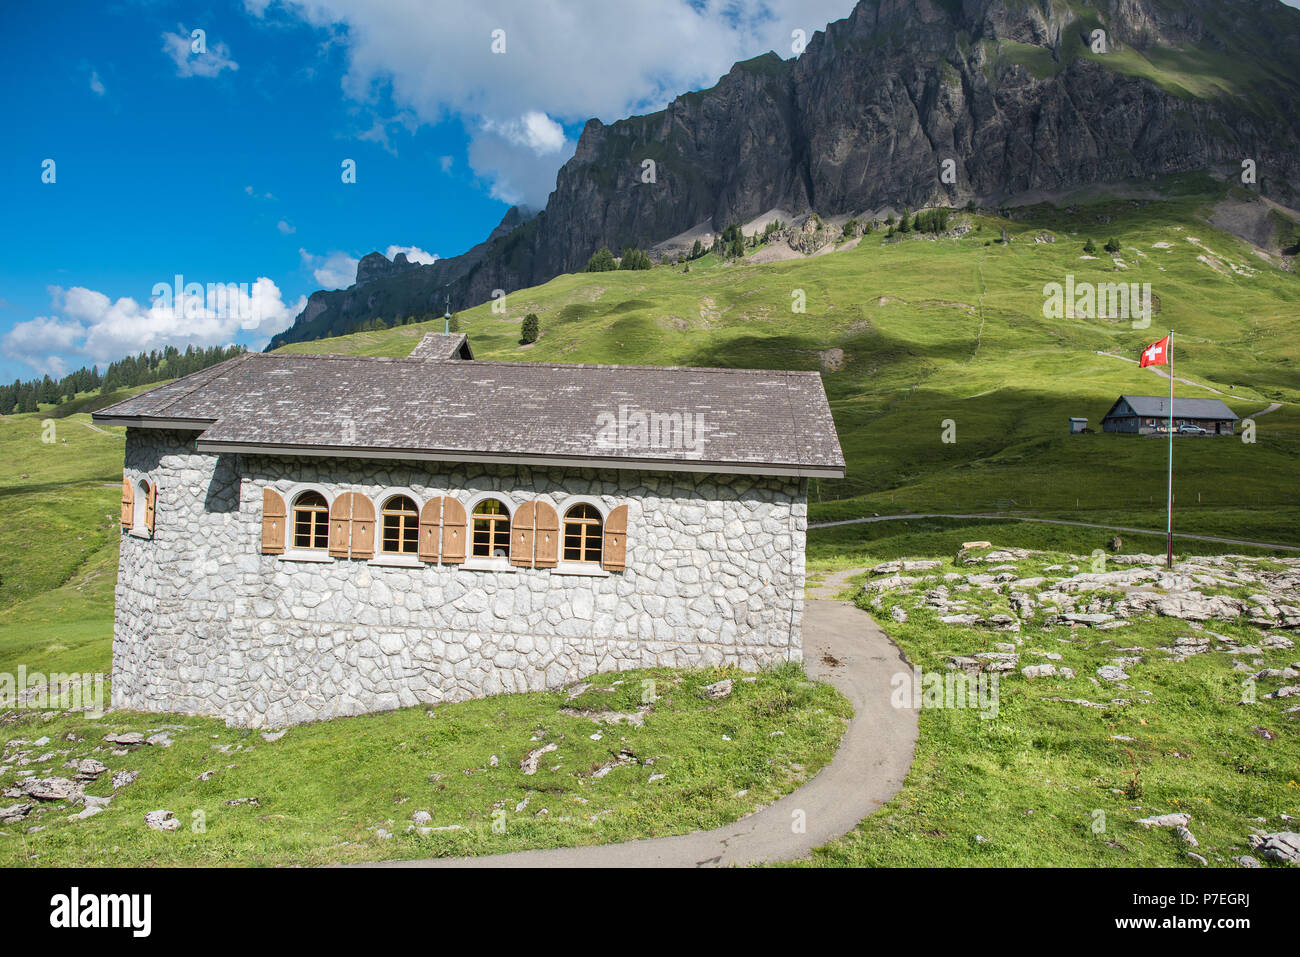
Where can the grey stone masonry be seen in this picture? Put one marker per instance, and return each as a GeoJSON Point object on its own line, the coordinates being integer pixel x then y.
{"type": "Point", "coordinates": [207, 624]}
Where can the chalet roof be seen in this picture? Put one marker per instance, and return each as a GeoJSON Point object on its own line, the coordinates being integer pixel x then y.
{"type": "Point", "coordinates": [442, 345]}
{"type": "Point", "coordinates": [753, 421]}
{"type": "Point", "coordinates": [1157, 406]}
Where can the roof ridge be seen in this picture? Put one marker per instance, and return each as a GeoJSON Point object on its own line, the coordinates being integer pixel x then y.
{"type": "Point", "coordinates": [541, 365]}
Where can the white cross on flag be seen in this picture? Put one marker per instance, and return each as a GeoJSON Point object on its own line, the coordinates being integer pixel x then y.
{"type": "Point", "coordinates": [1156, 354]}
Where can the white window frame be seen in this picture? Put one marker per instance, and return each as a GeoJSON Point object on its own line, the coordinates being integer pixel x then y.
{"type": "Point", "coordinates": [478, 563]}
{"type": "Point", "coordinates": [140, 486]}
{"type": "Point", "coordinates": [292, 553]}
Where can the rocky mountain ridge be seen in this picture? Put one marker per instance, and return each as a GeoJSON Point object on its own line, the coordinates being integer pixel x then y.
{"type": "Point", "coordinates": [903, 104]}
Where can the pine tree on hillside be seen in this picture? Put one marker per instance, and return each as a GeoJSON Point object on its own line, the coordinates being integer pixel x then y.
{"type": "Point", "coordinates": [602, 260]}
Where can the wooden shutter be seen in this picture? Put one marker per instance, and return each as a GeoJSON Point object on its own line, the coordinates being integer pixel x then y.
{"type": "Point", "coordinates": [128, 504]}
{"type": "Point", "coordinates": [341, 525]}
{"type": "Point", "coordinates": [546, 551]}
{"type": "Point", "coordinates": [431, 530]}
{"type": "Point", "coordinates": [363, 527]}
{"type": "Point", "coordinates": [521, 535]}
{"type": "Point", "coordinates": [614, 550]}
{"type": "Point", "coordinates": [150, 505]}
{"type": "Point", "coordinates": [274, 517]}
{"type": "Point", "coordinates": [453, 531]}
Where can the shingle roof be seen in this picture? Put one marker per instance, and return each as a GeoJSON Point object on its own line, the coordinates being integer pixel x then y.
{"type": "Point", "coordinates": [1156, 406]}
{"type": "Point", "coordinates": [753, 420]}
{"type": "Point", "coordinates": [442, 345]}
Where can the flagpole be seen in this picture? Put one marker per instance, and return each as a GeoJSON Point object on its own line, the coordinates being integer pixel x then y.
{"type": "Point", "coordinates": [1169, 528]}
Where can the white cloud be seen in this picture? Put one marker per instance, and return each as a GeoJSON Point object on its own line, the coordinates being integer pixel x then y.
{"type": "Point", "coordinates": [534, 130]}
{"type": "Point", "coordinates": [564, 62]}
{"type": "Point", "coordinates": [95, 328]}
{"type": "Point", "coordinates": [96, 84]}
{"type": "Point", "coordinates": [413, 253]}
{"type": "Point", "coordinates": [337, 270]}
{"type": "Point", "coordinates": [446, 162]}
{"type": "Point", "coordinates": [210, 61]}
{"type": "Point", "coordinates": [285, 228]}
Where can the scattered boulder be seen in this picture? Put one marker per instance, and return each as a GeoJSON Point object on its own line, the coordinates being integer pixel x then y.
{"type": "Point", "coordinates": [51, 789]}
{"type": "Point", "coordinates": [529, 764]}
{"type": "Point", "coordinates": [126, 739]}
{"type": "Point", "coordinates": [122, 778]}
{"type": "Point", "coordinates": [162, 821]}
{"type": "Point", "coordinates": [1183, 834]}
{"type": "Point", "coordinates": [1166, 820]}
{"type": "Point", "coordinates": [719, 689]}
{"type": "Point", "coordinates": [89, 768]}
{"type": "Point", "coordinates": [14, 813]}
{"type": "Point", "coordinates": [1112, 673]}
{"type": "Point", "coordinates": [420, 818]}
{"type": "Point", "coordinates": [1038, 671]}
{"type": "Point", "coordinates": [1283, 847]}
{"type": "Point", "coordinates": [1245, 860]}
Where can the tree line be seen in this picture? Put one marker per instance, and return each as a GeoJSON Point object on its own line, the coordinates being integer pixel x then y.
{"type": "Point", "coordinates": [142, 369]}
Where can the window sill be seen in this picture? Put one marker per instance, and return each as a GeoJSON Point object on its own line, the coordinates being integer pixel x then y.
{"type": "Point", "coordinates": [321, 557]}
{"type": "Point", "coordinates": [580, 569]}
{"type": "Point", "coordinates": [488, 565]}
{"type": "Point", "coordinates": [396, 561]}
{"type": "Point", "coordinates": [140, 533]}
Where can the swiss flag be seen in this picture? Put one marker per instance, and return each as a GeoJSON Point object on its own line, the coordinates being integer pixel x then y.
{"type": "Point", "coordinates": [1156, 354]}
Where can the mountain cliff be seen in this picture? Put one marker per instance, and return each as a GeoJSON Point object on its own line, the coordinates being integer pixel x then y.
{"type": "Point", "coordinates": [1013, 97]}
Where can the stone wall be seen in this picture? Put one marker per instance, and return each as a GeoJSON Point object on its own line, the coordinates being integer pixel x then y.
{"type": "Point", "coordinates": [207, 624]}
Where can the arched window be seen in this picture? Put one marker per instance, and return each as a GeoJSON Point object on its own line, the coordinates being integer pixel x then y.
{"type": "Point", "coordinates": [491, 529]}
{"type": "Point", "coordinates": [141, 519]}
{"type": "Point", "coordinates": [401, 535]}
{"type": "Point", "coordinates": [582, 534]}
{"type": "Point", "coordinates": [311, 521]}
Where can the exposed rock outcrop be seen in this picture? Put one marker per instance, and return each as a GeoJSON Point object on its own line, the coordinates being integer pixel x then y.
{"type": "Point", "coordinates": [1012, 93]}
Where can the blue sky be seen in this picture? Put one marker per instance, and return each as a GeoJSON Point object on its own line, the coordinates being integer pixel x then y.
{"type": "Point", "coordinates": [217, 156]}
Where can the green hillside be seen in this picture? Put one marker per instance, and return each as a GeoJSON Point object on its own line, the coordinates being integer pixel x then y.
{"type": "Point", "coordinates": [911, 332]}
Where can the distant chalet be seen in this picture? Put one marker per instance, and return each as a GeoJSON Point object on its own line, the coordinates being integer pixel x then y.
{"type": "Point", "coordinates": [1149, 414]}
{"type": "Point", "coordinates": [310, 536]}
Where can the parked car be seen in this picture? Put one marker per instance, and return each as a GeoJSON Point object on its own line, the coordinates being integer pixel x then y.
{"type": "Point", "coordinates": [1192, 430]}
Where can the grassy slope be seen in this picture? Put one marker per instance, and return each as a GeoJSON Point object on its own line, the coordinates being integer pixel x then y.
{"type": "Point", "coordinates": [325, 789]}
{"type": "Point", "coordinates": [930, 330]}
{"type": "Point", "coordinates": [58, 545]}
{"type": "Point", "coordinates": [1030, 781]}
{"type": "Point", "coordinates": [953, 329]}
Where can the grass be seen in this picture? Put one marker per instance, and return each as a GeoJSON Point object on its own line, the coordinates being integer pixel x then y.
{"type": "Point", "coordinates": [1050, 783]}
{"type": "Point", "coordinates": [324, 791]}
{"type": "Point", "coordinates": [930, 330]}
